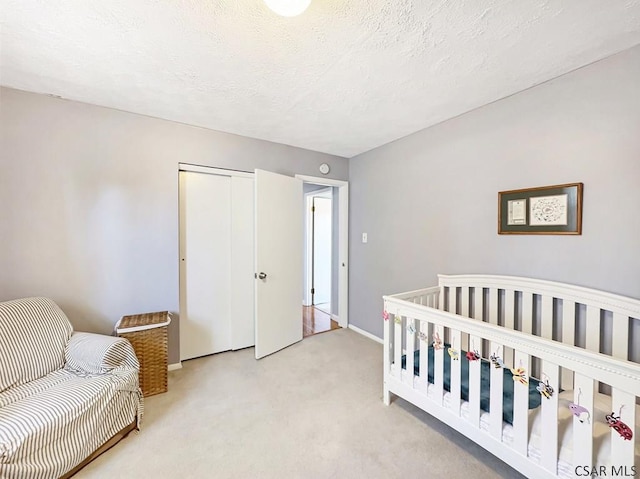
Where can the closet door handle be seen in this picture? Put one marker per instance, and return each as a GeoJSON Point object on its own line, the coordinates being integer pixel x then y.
{"type": "Point", "coordinates": [262, 276]}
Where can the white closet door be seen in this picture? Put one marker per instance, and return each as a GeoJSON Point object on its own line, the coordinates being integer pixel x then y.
{"type": "Point", "coordinates": [279, 261]}
{"type": "Point", "coordinates": [242, 263]}
{"type": "Point", "coordinates": [205, 230]}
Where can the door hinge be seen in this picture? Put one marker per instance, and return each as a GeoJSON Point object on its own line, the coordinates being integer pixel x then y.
{"type": "Point", "coordinates": [313, 290]}
{"type": "Point", "coordinates": [313, 209]}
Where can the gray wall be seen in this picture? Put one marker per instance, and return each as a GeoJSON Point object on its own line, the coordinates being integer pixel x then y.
{"type": "Point", "coordinates": [89, 200]}
{"type": "Point", "coordinates": [429, 201]}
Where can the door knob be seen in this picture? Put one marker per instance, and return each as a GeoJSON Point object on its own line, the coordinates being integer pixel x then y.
{"type": "Point", "coordinates": [262, 276]}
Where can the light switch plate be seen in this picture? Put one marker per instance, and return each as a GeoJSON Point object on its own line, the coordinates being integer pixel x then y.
{"type": "Point", "coordinates": [364, 237]}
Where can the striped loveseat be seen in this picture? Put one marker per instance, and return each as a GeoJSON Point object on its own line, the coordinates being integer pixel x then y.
{"type": "Point", "coordinates": [64, 395]}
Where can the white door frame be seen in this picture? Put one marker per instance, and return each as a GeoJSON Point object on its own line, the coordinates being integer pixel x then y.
{"type": "Point", "coordinates": [308, 202]}
{"type": "Point", "coordinates": [343, 242]}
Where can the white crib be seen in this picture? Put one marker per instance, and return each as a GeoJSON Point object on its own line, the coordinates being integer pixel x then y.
{"type": "Point", "coordinates": [583, 346]}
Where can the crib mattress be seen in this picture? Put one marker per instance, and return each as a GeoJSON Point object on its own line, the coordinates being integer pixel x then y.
{"type": "Point", "coordinates": [485, 381]}
{"type": "Point", "coordinates": [601, 432]}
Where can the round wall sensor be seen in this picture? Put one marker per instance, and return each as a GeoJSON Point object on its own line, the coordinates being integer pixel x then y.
{"type": "Point", "coordinates": [324, 168]}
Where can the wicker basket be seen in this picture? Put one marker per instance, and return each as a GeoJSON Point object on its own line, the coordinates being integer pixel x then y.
{"type": "Point", "coordinates": [147, 333]}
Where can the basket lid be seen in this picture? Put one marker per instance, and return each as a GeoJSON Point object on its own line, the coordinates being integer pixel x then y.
{"type": "Point", "coordinates": [140, 322]}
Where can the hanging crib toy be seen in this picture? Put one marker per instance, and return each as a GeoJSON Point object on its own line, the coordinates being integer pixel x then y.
{"type": "Point", "coordinates": [617, 425]}
{"type": "Point", "coordinates": [580, 411]}
{"type": "Point", "coordinates": [545, 388]}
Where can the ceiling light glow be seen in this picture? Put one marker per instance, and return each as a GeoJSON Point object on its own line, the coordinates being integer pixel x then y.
{"type": "Point", "coordinates": [288, 8]}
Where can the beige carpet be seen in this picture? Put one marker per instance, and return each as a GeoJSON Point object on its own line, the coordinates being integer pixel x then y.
{"type": "Point", "coordinates": [313, 410]}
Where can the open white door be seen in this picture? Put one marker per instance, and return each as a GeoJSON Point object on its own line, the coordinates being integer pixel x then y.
{"type": "Point", "coordinates": [322, 261]}
{"type": "Point", "coordinates": [279, 261]}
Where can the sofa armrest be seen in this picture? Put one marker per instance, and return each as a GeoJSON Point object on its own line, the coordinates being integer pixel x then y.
{"type": "Point", "coordinates": [89, 353]}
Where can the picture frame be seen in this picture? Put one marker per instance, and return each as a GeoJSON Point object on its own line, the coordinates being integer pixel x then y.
{"type": "Point", "coordinates": [544, 210]}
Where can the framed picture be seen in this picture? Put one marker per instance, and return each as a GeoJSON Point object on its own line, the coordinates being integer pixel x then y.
{"type": "Point", "coordinates": [546, 210]}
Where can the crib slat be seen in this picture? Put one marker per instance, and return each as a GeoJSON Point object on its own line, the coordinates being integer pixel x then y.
{"type": "Point", "coordinates": [550, 418]}
{"type": "Point", "coordinates": [568, 337]}
{"type": "Point", "coordinates": [497, 386]}
{"type": "Point", "coordinates": [462, 294]}
{"type": "Point", "coordinates": [396, 368]}
{"type": "Point", "coordinates": [478, 301]}
{"type": "Point", "coordinates": [527, 313]}
{"type": "Point", "coordinates": [583, 423]}
{"type": "Point", "coordinates": [521, 406]}
{"type": "Point", "coordinates": [593, 329]}
{"type": "Point", "coordinates": [409, 350]}
{"type": "Point", "coordinates": [509, 309]}
{"type": "Point", "coordinates": [546, 317]}
{"type": "Point", "coordinates": [454, 297]}
{"type": "Point", "coordinates": [493, 305]}
{"type": "Point", "coordinates": [387, 325]}
{"type": "Point", "coordinates": [478, 311]}
{"type": "Point", "coordinates": [440, 304]}
{"type": "Point", "coordinates": [455, 372]}
{"type": "Point", "coordinates": [424, 355]}
{"type": "Point", "coordinates": [464, 302]}
{"type": "Point", "coordinates": [509, 320]}
{"type": "Point", "coordinates": [568, 322]}
{"type": "Point", "coordinates": [474, 386]}
{"type": "Point", "coordinates": [622, 450]}
{"type": "Point", "coordinates": [620, 335]}
{"type": "Point", "coordinates": [437, 299]}
{"type": "Point", "coordinates": [438, 367]}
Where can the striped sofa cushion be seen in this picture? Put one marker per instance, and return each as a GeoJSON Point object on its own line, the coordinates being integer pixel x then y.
{"type": "Point", "coordinates": [49, 432]}
{"type": "Point", "coordinates": [33, 335]}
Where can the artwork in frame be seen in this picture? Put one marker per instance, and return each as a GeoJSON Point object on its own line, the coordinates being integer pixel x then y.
{"type": "Point", "coordinates": [545, 210]}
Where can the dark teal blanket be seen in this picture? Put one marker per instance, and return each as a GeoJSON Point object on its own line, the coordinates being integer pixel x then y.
{"type": "Point", "coordinates": [485, 381]}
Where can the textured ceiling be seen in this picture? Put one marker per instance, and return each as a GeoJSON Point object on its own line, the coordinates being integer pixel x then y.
{"type": "Point", "coordinates": [342, 78]}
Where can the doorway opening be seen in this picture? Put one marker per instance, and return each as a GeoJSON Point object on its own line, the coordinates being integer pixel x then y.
{"type": "Point", "coordinates": [320, 261]}
{"type": "Point", "coordinates": [325, 275]}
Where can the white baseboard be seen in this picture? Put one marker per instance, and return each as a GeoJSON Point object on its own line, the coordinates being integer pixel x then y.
{"type": "Point", "coordinates": [366, 334]}
{"type": "Point", "coordinates": [336, 318]}
{"type": "Point", "coordinates": [173, 367]}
